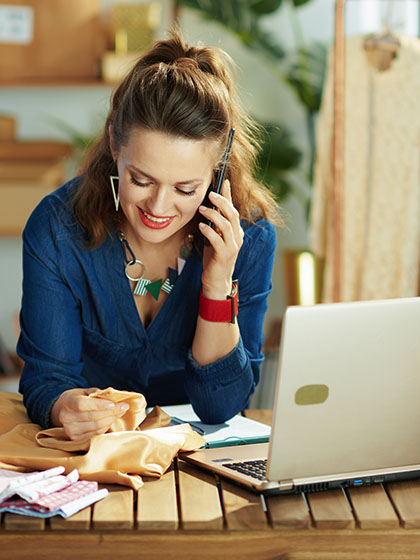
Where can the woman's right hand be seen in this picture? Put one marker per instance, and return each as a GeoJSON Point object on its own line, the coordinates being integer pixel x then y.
{"type": "Point", "coordinates": [82, 417]}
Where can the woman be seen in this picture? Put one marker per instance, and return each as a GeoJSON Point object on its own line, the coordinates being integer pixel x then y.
{"type": "Point", "coordinates": [129, 269]}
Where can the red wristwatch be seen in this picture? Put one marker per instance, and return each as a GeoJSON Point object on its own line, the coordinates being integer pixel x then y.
{"type": "Point", "coordinates": [220, 311]}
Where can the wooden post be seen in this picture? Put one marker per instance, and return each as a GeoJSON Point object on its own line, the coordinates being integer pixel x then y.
{"type": "Point", "coordinates": [338, 143]}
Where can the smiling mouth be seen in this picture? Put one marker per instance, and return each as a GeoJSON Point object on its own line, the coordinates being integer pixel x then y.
{"type": "Point", "coordinates": [154, 222]}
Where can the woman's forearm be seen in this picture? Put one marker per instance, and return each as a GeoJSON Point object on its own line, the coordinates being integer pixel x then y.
{"type": "Point", "coordinates": [213, 341]}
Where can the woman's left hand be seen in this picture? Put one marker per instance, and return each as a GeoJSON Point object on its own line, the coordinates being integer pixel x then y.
{"type": "Point", "coordinates": [225, 240]}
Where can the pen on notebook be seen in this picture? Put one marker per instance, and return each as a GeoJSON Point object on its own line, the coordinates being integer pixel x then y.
{"type": "Point", "coordinates": [222, 171]}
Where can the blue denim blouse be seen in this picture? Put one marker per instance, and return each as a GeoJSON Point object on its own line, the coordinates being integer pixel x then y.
{"type": "Point", "coordinates": [80, 326]}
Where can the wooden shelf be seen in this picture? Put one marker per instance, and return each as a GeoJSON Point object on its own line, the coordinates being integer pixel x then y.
{"type": "Point", "coordinates": [56, 84]}
{"type": "Point", "coordinates": [30, 151]}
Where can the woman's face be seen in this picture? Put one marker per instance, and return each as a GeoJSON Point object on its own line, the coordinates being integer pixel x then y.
{"type": "Point", "coordinates": [162, 181]}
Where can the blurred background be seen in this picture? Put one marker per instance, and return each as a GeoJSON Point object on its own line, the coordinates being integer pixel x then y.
{"type": "Point", "coordinates": [60, 60]}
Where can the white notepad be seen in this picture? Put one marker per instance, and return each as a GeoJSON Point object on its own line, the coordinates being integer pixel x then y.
{"type": "Point", "coordinates": [238, 430]}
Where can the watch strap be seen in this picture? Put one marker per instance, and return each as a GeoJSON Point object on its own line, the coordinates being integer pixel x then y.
{"type": "Point", "coordinates": [220, 311]}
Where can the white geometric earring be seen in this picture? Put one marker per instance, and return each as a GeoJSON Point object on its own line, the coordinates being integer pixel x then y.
{"type": "Point", "coordinates": [115, 190]}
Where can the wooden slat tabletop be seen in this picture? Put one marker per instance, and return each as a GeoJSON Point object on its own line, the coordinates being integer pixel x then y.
{"type": "Point", "coordinates": [331, 510]}
{"type": "Point", "coordinates": [243, 509]}
{"type": "Point", "coordinates": [116, 511]}
{"type": "Point", "coordinates": [80, 521]}
{"type": "Point", "coordinates": [291, 512]}
{"type": "Point", "coordinates": [175, 516]}
{"type": "Point", "coordinates": [372, 508]}
{"type": "Point", "coordinates": [200, 505]}
{"type": "Point", "coordinates": [405, 496]}
{"type": "Point", "coordinates": [157, 508]}
{"type": "Point", "coordinates": [13, 522]}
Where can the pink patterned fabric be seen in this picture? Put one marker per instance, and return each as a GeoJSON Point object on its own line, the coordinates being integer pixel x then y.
{"type": "Point", "coordinates": [54, 501]}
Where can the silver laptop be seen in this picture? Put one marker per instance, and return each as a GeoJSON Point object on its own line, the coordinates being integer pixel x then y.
{"type": "Point", "coordinates": [347, 402]}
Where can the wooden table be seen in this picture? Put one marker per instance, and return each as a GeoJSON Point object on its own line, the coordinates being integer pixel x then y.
{"type": "Point", "coordinates": [191, 515]}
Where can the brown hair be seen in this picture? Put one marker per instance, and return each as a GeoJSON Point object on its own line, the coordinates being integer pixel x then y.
{"type": "Point", "coordinates": [185, 91]}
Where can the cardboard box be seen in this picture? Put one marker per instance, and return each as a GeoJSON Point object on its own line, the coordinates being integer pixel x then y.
{"type": "Point", "coordinates": [7, 127]}
{"type": "Point", "coordinates": [22, 190]}
{"type": "Point", "coordinates": [28, 171]}
{"type": "Point", "coordinates": [49, 40]}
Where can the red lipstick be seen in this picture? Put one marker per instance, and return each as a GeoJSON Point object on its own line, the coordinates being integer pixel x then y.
{"type": "Point", "coordinates": [155, 222]}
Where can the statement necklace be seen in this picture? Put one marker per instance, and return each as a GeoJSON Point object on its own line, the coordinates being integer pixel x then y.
{"type": "Point", "coordinates": [143, 285]}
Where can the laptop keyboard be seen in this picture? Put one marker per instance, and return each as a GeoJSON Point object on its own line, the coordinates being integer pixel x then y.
{"type": "Point", "coordinates": [256, 469]}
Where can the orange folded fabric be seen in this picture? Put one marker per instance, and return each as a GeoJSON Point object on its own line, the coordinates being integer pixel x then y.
{"type": "Point", "coordinates": [120, 456]}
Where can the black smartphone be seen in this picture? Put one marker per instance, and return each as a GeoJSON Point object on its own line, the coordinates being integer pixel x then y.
{"type": "Point", "coordinates": [221, 175]}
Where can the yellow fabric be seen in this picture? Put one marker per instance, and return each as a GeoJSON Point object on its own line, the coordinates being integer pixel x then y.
{"type": "Point", "coordinates": [134, 415]}
{"type": "Point", "coordinates": [117, 457]}
{"type": "Point", "coordinates": [131, 420]}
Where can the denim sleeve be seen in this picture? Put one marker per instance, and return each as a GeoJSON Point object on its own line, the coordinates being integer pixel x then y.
{"type": "Point", "coordinates": [50, 342]}
{"type": "Point", "coordinates": [221, 389]}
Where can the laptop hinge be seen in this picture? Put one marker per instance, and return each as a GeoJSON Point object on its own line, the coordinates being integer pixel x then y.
{"type": "Point", "coordinates": [286, 485]}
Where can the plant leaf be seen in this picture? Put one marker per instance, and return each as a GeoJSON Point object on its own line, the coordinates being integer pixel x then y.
{"type": "Point", "coordinates": [239, 17]}
{"type": "Point", "coordinates": [298, 3]}
{"type": "Point", "coordinates": [79, 140]}
{"type": "Point", "coordinates": [306, 74]}
{"type": "Point", "coordinates": [263, 7]}
{"type": "Point", "coordinates": [277, 157]}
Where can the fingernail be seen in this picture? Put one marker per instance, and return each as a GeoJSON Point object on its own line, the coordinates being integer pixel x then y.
{"type": "Point", "coordinates": [214, 194]}
{"type": "Point", "coordinates": [203, 208]}
{"type": "Point", "coordinates": [201, 225]}
{"type": "Point", "coordinates": [125, 407]}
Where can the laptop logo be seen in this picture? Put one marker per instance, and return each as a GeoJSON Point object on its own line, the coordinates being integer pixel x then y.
{"type": "Point", "coordinates": [311, 394]}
